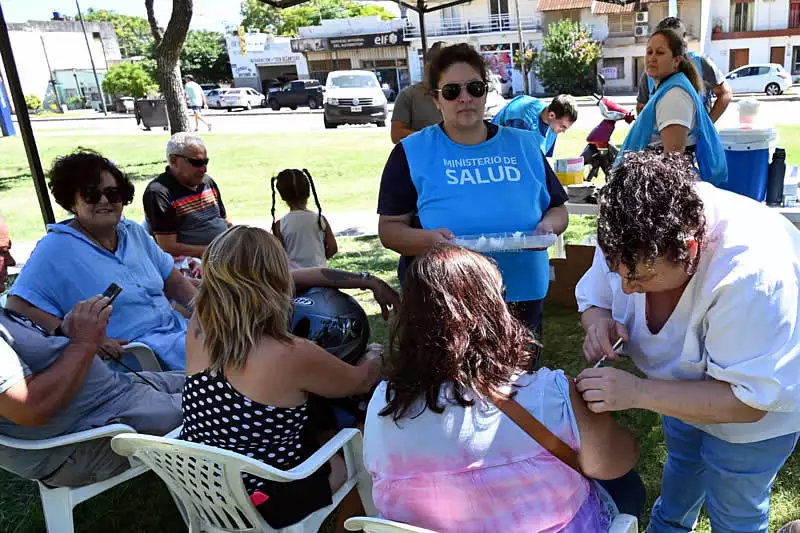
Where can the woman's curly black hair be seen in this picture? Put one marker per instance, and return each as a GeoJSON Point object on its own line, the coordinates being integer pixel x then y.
{"type": "Point", "coordinates": [452, 327]}
{"type": "Point", "coordinates": [648, 209]}
{"type": "Point", "coordinates": [80, 172]}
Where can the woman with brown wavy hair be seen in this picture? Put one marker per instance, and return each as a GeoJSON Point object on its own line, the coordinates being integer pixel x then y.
{"type": "Point", "coordinates": [454, 346]}
{"type": "Point", "coordinates": [248, 379]}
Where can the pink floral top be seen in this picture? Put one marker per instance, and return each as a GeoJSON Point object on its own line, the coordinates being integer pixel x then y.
{"type": "Point", "coordinates": [472, 470]}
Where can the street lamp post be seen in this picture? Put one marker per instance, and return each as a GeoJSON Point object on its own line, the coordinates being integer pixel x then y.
{"type": "Point", "coordinates": [91, 60]}
{"type": "Point", "coordinates": [522, 68]}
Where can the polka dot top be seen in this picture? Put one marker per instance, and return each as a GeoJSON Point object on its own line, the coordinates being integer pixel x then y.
{"type": "Point", "coordinates": [216, 414]}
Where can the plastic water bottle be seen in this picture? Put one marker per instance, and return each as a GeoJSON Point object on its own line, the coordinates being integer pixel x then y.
{"type": "Point", "coordinates": [777, 170]}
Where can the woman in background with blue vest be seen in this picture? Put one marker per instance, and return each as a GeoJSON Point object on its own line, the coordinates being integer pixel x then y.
{"type": "Point", "coordinates": [467, 176]}
{"type": "Point", "coordinates": [675, 118]}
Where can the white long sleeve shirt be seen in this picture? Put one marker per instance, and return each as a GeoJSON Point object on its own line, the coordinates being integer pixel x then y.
{"type": "Point", "coordinates": [737, 320]}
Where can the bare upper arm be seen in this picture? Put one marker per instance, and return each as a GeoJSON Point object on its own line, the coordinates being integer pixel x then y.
{"type": "Point", "coordinates": [331, 246]}
{"type": "Point", "coordinates": [400, 130]}
{"type": "Point", "coordinates": [276, 231]}
{"type": "Point", "coordinates": [722, 89]}
{"type": "Point", "coordinates": [24, 307]}
{"type": "Point", "coordinates": [600, 433]}
{"type": "Point", "coordinates": [167, 241]}
{"type": "Point", "coordinates": [18, 405]}
{"type": "Point", "coordinates": [318, 372]}
{"type": "Point", "coordinates": [674, 137]}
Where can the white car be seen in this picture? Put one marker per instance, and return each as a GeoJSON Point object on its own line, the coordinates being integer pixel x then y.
{"type": "Point", "coordinates": [214, 98]}
{"type": "Point", "coordinates": [354, 97]}
{"type": "Point", "coordinates": [769, 78]}
{"type": "Point", "coordinates": [245, 98]}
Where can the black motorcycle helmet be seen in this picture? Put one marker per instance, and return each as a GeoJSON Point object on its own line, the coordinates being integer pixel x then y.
{"type": "Point", "coordinates": [332, 320]}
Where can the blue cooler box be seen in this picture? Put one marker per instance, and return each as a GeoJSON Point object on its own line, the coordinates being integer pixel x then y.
{"type": "Point", "coordinates": [748, 152]}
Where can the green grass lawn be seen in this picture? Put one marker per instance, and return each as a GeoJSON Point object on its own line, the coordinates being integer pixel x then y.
{"type": "Point", "coordinates": [144, 505]}
{"type": "Point", "coordinates": [346, 166]}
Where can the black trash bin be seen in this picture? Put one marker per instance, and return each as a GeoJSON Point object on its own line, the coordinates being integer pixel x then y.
{"type": "Point", "coordinates": [152, 113]}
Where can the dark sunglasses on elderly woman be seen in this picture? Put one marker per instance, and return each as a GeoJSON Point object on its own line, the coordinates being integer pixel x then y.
{"type": "Point", "coordinates": [450, 91]}
{"type": "Point", "coordinates": [196, 162]}
{"type": "Point", "coordinates": [114, 195]}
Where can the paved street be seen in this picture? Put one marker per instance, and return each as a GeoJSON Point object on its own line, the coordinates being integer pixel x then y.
{"type": "Point", "coordinates": [268, 121]}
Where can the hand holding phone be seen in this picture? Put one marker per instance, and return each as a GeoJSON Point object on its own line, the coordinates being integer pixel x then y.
{"type": "Point", "coordinates": [112, 292]}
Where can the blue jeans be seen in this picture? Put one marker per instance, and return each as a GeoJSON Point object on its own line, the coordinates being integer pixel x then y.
{"type": "Point", "coordinates": [733, 480]}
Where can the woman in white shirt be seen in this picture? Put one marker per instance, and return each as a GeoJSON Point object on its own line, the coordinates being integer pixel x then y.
{"type": "Point", "coordinates": [675, 119]}
{"type": "Point", "coordinates": [702, 285]}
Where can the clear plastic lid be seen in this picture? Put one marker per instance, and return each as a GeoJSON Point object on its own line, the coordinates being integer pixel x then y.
{"type": "Point", "coordinates": [505, 241]}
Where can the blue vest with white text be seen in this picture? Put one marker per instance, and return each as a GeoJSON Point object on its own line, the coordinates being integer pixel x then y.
{"type": "Point", "coordinates": [496, 186]}
{"type": "Point", "coordinates": [524, 112]}
{"type": "Point", "coordinates": [711, 160]}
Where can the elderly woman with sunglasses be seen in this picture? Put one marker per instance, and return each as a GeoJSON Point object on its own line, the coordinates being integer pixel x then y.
{"type": "Point", "coordinates": [82, 256]}
{"type": "Point", "coordinates": [467, 176]}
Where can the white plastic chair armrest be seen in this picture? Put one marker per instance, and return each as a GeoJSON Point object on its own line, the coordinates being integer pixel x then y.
{"type": "Point", "coordinates": [64, 440]}
{"type": "Point", "coordinates": [624, 523]}
{"type": "Point", "coordinates": [175, 433]}
{"type": "Point", "coordinates": [321, 456]}
{"type": "Point", "coordinates": [144, 356]}
{"type": "Point", "coordinates": [378, 525]}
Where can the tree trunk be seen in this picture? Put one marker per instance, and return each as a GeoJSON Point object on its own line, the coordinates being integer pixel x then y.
{"type": "Point", "coordinates": [169, 79]}
{"type": "Point", "coordinates": [168, 51]}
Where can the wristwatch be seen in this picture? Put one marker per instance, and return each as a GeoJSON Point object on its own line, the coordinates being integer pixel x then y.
{"type": "Point", "coordinates": [365, 276]}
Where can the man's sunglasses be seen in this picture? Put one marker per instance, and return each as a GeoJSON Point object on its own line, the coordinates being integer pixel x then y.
{"type": "Point", "coordinates": [450, 91]}
{"type": "Point", "coordinates": [196, 162]}
{"type": "Point", "coordinates": [114, 195]}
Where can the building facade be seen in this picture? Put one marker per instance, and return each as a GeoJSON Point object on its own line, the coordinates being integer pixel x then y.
{"type": "Point", "coordinates": [755, 31]}
{"type": "Point", "coordinates": [490, 26]}
{"type": "Point", "coordinates": [56, 50]}
{"type": "Point", "coordinates": [360, 43]}
{"type": "Point", "coordinates": [267, 62]}
{"type": "Point", "coordinates": [623, 32]}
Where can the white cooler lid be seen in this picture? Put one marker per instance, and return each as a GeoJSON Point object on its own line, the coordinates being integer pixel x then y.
{"type": "Point", "coordinates": [741, 139]}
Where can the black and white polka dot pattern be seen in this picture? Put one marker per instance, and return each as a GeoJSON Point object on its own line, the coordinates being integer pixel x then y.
{"type": "Point", "coordinates": [215, 414]}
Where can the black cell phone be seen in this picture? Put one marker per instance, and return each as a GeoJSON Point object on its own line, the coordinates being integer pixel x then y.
{"type": "Point", "coordinates": [112, 292]}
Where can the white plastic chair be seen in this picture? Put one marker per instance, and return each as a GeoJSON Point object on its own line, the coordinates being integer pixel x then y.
{"type": "Point", "coordinates": [144, 355]}
{"type": "Point", "coordinates": [622, 524]}
{"type": "Point", "coordinates": [57, 503]}
{"type": "Point", "coordinates": [207, 481]}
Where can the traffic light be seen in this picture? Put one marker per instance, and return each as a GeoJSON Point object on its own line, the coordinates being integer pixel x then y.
{"type": "Point", "coordinates": [242, 40]}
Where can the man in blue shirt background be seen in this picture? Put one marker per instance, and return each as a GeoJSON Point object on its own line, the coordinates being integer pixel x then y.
{"type": "Point", "coordinates": [547, 120]}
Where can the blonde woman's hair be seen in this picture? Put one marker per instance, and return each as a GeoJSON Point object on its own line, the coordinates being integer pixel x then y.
{"type": "Point", "coordinates": [246, 294]}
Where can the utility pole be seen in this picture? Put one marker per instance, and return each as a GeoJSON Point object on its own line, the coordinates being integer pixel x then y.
{"type": "Point", "coordinates": [52, 78]}
{"type": "Point", "coordinates": [91, 59]}
{"type": "Point", "coordinates": [522, 68]}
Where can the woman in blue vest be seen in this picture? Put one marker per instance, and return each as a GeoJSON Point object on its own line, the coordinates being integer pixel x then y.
{"type": "Point", "coordinates": [467, 176]}
{"type": "Point", "coordinates": [675, 119]}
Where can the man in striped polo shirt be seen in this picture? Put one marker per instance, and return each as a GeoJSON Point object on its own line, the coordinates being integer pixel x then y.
{"type": "Point", "coordinates": [183, 206]}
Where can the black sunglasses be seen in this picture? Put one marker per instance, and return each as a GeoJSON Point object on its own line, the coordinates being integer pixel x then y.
{"type": "Point", "coordinates": [113, 194]}
{"type": "Point", "coordinates": [450, 91]}
{"type": "Point", "coordinates": [196, 162]}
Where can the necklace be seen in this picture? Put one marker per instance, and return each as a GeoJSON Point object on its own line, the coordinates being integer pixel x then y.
{"type": "Point", "coordinates": [98, 241]}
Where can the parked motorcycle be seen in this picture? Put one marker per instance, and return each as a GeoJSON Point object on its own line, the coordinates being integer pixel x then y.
{"type": "Point", "coordinates": [600, 152]}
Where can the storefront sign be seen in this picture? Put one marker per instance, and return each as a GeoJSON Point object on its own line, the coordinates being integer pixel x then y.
{"type": "Point", "coordinates": [367, 40]}
{"type": "Point", "coordinates": [275, 60]}
{"type": "Point", "coordinates": [609, 73]}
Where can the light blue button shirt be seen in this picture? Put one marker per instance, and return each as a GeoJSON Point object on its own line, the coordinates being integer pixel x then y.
{"type": "Point", "coordinates": [66, 267]}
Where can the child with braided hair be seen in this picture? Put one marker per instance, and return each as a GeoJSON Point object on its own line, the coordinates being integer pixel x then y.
{"type": "Point", "coordinates": [306, 236]}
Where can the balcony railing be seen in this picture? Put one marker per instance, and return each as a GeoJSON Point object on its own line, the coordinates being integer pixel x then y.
{"type": "Point", "coordinates": [443, 27]}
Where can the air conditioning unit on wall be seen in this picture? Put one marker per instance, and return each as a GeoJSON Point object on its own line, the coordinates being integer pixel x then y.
{"type": "Point", "coordinates": [642, 30]}
{"type": "Point", "coordinates": [641, 17]}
